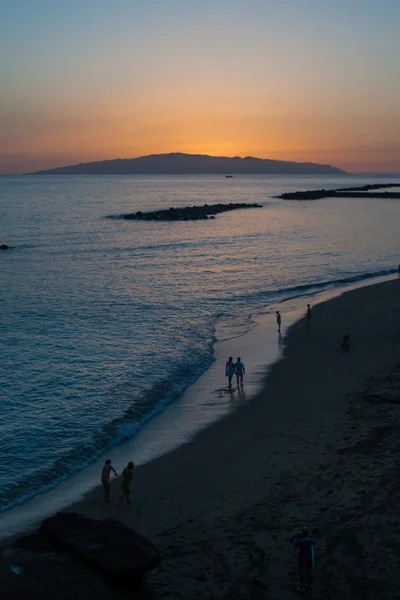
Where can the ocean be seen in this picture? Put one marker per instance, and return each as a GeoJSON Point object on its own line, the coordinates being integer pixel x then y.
{"type": "Point", "coordinates": [104, 322]}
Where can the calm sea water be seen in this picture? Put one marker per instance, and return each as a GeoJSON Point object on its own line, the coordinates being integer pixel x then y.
{"type": "Point", "coordinates": [104, 321]}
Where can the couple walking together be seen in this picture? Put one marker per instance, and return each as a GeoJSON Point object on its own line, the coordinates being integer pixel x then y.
{"type": "Point", "coordinates": [237, 369]}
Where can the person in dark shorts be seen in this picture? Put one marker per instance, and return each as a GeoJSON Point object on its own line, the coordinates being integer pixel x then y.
{"type": "Point", "coordinates": [127, 475]}
{"type": "Point", "coordinates": [304, 545]}
{"type": "Point", "coordinates": [240, 371]}
{"type": "Point", "coordinates": [105, 479]}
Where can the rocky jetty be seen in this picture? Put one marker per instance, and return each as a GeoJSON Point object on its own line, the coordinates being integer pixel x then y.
{"type": "Point", "coordinates": [188, 213]}
{"type": "Point", "coordinates": [353, 192]}
{"type": "Point", "coordinates": [72, 556]}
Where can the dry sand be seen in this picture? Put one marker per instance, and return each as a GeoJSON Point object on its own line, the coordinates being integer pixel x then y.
{"type": "Point", "coordinates": [318, 447]}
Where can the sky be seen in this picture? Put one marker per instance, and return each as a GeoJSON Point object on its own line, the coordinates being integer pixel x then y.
{"type": "Point", "coordinates": [299, 80]}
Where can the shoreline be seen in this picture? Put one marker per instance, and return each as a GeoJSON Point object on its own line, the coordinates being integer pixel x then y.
{"type": "Point", "coordinates": [318, 447]}
{"type": "Point", "coordinates": [251, 340]}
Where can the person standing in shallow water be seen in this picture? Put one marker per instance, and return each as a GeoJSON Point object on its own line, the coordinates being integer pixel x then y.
{"type": "Point", "coordinates": [127, 475]}
{"type": "Point", "coordinates": [240, 371]}
{"type": "Point", "coordinates": [278, 321]}
{"type": "Point", "coordinates": [229, 370]}
{"type": "Point", "coordinates": [105, 479]}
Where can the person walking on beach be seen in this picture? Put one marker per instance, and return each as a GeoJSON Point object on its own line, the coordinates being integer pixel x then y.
{"type": "Point", "coordinates": [105, 479]}
{"type": "Point", "coordinates": [240, 371]}
{"type": "Point", "coordinates": [278, 321]}
{"type": "Point", "coordinates": [229, 370]}
{"type": "Point", "coordinates": [127, 475]}
{"type": "Point", "coordinates": [308, 315]}
{"type": "Point", "coordinates": [304, 545]}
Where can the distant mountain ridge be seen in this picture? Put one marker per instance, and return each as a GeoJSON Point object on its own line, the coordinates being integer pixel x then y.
{"type": "Point", "coordinates": [178, 163]}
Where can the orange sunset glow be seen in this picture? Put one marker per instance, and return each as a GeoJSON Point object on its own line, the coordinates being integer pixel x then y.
{"type": "Point", "coordinates": [255, 83]}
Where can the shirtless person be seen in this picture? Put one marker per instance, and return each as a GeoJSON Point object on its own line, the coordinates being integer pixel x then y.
{"type": "Point", "coordinates": [105, 479]}
{"type": "Point", "coordinates": [240, 371]}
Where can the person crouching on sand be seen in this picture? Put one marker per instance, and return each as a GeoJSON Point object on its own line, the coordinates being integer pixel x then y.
{"type": "Point", "coordinates": [240, 371]}
{"type": "Point", "coordinates": [127, 475]}
{"type": "Point", "coordinates": [105, 479]}
{"type": "Point", "coordinates": [229, 370]}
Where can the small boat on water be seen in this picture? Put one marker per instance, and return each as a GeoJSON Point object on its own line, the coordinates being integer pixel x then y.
{"type": "Point", "coordinates": [229, 176]}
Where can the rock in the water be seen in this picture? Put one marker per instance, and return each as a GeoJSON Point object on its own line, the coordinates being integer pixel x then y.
{"type": "Point", "coordinates": [363, 191]}
{"type": "Point", "coordinates": [188, 213]}
{"type": "Point", "coordinates": [4, 247]}
{"type": "Point", "coordinates": [112, 548]}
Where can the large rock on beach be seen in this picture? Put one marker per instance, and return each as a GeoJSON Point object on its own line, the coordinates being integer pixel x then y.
{"type": "Point", "coordinates": [115, 550]}
{"type": "Point", "coordinates": [26, 575]}
{"type": "Point", "coordinates": [74, 557]}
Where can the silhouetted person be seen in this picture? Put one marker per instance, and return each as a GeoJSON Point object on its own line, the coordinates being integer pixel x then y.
{"type": "Point", "coordinates": [346, 342]}
{"type": "Point", "coordinates": [105, 479]}
{"type": "Point", "coordinates": [308, 315]}
{"type": "Point", "coordinates": [278, 320]}
{"type": "Point", "coordinates": [127, 475]}
{"type": "Point", "coordinates": [305, 558]}
{"type": "Point", "coordinates": [240, 371]}
{"type": "Point", "coordinates": [229, 370]}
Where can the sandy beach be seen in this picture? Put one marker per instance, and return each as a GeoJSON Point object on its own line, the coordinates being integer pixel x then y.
{"type": "Point", "coordinates": [317, 447]}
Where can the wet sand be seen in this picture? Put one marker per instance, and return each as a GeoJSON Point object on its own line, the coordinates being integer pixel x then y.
{"type": "Point", "coordinates": [318, 447]}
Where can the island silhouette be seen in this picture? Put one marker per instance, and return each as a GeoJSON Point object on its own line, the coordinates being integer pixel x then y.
{"type": "Point", "coordinates": [178, 163]}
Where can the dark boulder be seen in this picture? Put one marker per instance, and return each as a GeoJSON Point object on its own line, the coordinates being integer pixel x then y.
{"type": "Point", "coordinates": [36, 567]}
{"type": "Point", "coordinates": [26, 575]}
{"type": "Point", "coordinates": [4, 247]}
{"type": "Point", "coordinates": [110, 547]}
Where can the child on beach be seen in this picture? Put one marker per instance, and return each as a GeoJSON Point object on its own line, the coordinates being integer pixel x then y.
{"type": "Point", "coordinates": [229, 370]}
{"type": "Point", "coordinates": [127, 475]}
{"type": "Point", "coordinates": [240, 371]}
{"type": "Point", "coordinates": [105, 479]}
{"type": "Point", "coordinates": [304, 545]}
{"type": "Point", "coordinates": [278, 320]}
